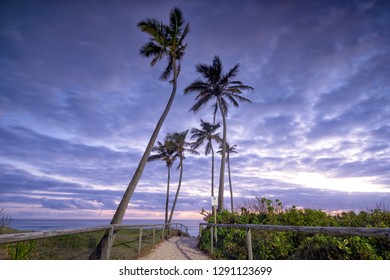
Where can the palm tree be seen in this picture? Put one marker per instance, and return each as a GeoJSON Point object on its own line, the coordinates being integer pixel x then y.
{"type": "Point", "coordinates": [222, 87]}
{"type": "Point", "coordinates": [229, 150]}
{"type": "Point", "coordinates": [164, 152]}
{"type": "Point", "coordinates": [207, 134]}
{"type": "Point", "coordinates": [180, 146]}
{"type": "Point", "coordinates": [166, 40]}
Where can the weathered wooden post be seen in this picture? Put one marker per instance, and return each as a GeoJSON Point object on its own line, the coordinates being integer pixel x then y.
{"type": "Point", "coordinates": [106, 250]}
{"type": "Point", "coordinates": [249, 243]}
{"type": "Point", "coordinates": [163, 232]}
{"type": "Point", "coordinates": [154, 234]}
{"type": "Point", "coordinates": [140, 241]}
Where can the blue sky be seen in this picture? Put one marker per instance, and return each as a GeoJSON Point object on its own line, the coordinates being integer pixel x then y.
{"type": "Point", "coordinates": [78, 105]}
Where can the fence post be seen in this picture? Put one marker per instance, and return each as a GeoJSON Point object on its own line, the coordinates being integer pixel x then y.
{"type": "Point", "coordinates": [163, 232]}
{"type": "Point", "coordinates": [154, 234]}
{"type": "Point", "coordinates": [249, 243]}
{"type": "Point", "coordinates": [212, 241]}
{"type": "Point", "coordinates": [106, 250]}
{"type": "Point", "coordinates": [140, 241]}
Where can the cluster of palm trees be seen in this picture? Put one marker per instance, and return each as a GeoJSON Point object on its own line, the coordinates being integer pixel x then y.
{"type": "Point", "coordinates": [175, 146]}
{"type": "Point", "coordinates": [167, 41]}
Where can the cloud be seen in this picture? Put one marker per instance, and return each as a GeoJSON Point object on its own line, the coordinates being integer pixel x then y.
{"type": "Point", "coordinates": [78, 103]}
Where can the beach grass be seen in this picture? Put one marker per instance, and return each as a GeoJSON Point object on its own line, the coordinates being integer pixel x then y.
{"type": "Point", "coordinates": [79, 246]}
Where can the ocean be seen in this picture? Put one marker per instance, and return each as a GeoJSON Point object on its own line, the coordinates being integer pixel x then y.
{"type": "Point", "coordinates": [54, 224]}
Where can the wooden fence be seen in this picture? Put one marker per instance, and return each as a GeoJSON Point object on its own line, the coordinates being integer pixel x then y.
{"type": "Point", "coordinates": [26, 236]}
{"type": "Point", "coordinates": [334, 231]}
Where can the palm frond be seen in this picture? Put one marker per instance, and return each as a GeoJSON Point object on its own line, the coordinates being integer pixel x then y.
{"type": "Point", "coordinates": [168, 70]}
{"type": "Point", "coordinates": [232, 100]}
{"type": "Point", "coordinates": [176, 20]}
{"type": "Point", "coordinates": [201, 102]}
{"type": "Point", "coordinates": [154, 157]}
{"type": "Point", "coordinates": [150, 26]}
{"type": "Point", "coordinates": [197, 86]}
{"type": "Point", "coordinates": [184, 35]}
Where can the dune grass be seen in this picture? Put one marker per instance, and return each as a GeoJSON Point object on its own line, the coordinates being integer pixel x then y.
{"type": "Point", "coordinates": [79, 246]}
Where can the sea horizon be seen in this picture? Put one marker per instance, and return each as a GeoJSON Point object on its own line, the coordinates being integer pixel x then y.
{"type": "Point", "coordinates": [47, 224]}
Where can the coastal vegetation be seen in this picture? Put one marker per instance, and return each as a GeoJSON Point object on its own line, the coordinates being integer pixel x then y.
{"type": "Point", "coordinates": [4, 220]}
{"type": "Point", "coordinates": [269, 245]}
{"type": "Point", "coordinates": [79, 246]}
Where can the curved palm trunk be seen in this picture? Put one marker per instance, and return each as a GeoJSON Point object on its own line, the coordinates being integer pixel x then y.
{"type": "Point", "coordinates": [212, 171]}
{"type": "Point", "coordinates": [167, 197]}
{"type": "Point", "coordinates": [102, 251]}
{"type": "Point", "coordinates": [121, 210]}
{"type": "Point", "coordinates": [230, 184]}
{"type": "Point", "coordinates": [223, 161]}
{"type": "Point", "coordinates": [177, 192]}
{"type": "Point", "coordinates": [212, 177]}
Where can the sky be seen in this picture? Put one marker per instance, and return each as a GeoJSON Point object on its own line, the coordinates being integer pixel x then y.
{"type": "Point", "coordinates": [78, 104]}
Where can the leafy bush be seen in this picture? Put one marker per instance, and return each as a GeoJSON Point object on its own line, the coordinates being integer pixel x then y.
{"type": "Point", "coordinates": [272, 245]}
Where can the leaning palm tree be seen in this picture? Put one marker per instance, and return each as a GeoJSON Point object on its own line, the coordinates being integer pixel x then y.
{"type": "Point", "coordinates": [207, 134]}
{"type": "Point", "coordinates": [180, 146]}
{"type": "Point", "coordinates": [164, 152]}
{"type": "Point", "coordinates": [166, 40]}
{"type": "Point", "coordinates": [222, 88]}
{"type": "Point", "coordinates": [229, 150]}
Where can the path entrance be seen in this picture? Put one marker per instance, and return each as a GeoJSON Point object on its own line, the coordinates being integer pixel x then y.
{"type": "Point", "coordinates": [177, 248]}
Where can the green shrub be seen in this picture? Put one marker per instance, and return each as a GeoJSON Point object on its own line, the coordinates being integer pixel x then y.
{"type": "Point", "coordinates": [272, 245]}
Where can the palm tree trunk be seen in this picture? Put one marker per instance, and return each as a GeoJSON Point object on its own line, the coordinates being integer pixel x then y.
{"type": "Point", "coordinates": [177, 192]}
{"type": "Point", "coordinates": [212, 178]}
{"type": "Point", "coordinates": [223, 160]}
{"type": "Point", "coordinates": [99, 253]}
{"type": "Point", "coordinates": [167, 197]}
{"type": "Point", "coordinates": [230, 184]}
{"type": "Point", "coordinates": [212, 171]}
{"type": "Point", "coordinates": [122, 207]}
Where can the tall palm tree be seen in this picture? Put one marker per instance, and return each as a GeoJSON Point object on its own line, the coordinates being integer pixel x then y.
{"type": "Point", "coordinates": [222, 88]}
{"type": "Point", "coordinates": [180, 146]}
{"type": "Point", "coordinates": [229, 150]}
{"type": "Point", "coordinates": [164, 152]}
{"type": "Point", "coordinates": [207, 134]}
{"type": "Point", "coordinates": [166, 40]}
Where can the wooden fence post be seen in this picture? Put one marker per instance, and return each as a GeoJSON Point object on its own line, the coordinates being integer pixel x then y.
{"type": "Point", "coordinates": [249, 243]}
{"type": "Point", "coordinates": [163, 232]}
{"type": "Point", "coordinates": [106, 250]}
{"type": "Point", "coordinates": [154, 234]}
{"type": "Point", "coordinates": [140, 241]}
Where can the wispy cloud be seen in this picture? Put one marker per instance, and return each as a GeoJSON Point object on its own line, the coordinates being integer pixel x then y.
{"type": "Point", "coordinates": [78, 104]}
